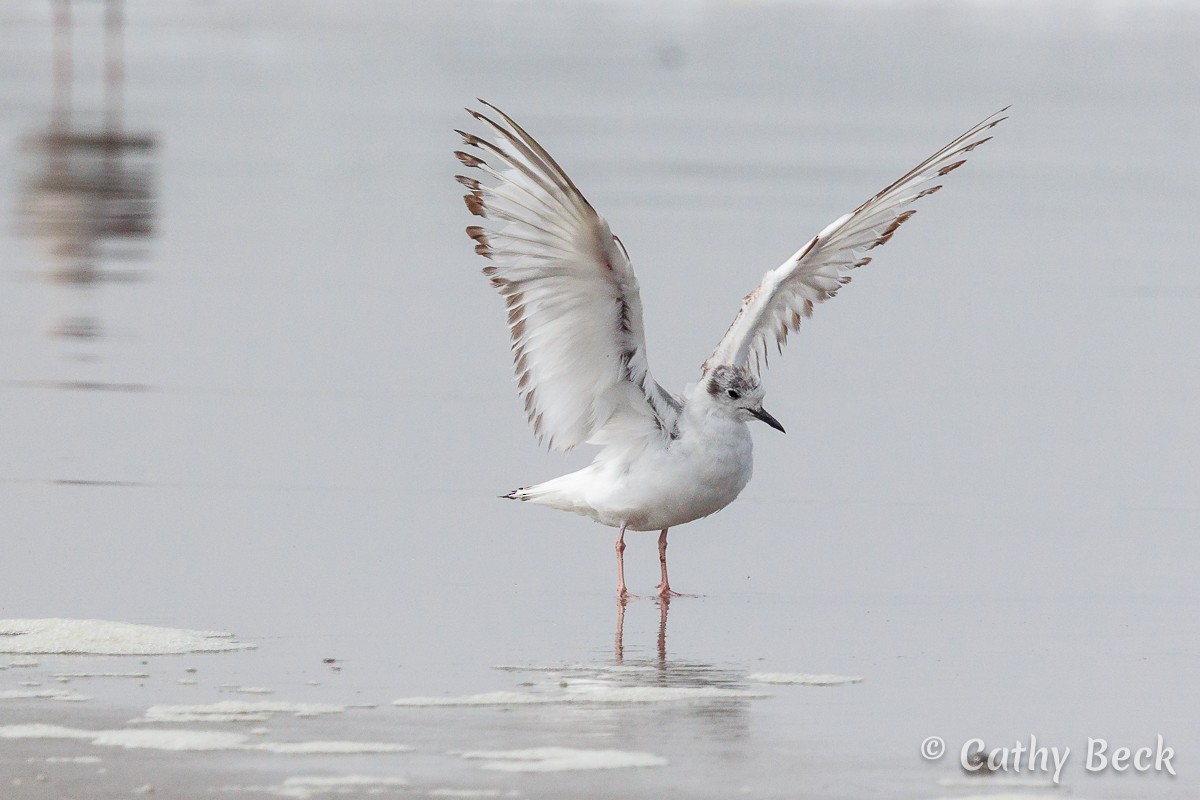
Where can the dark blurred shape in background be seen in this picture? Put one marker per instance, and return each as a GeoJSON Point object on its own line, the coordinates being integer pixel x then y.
{"type": "Point", "coordinates": [88, 194]}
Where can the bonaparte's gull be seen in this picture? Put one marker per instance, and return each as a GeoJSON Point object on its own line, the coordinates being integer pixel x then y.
{"type": "Point", "coordinates": [579, 348]}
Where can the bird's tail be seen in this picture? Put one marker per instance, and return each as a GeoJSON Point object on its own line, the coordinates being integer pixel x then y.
{"type": "Point", "coordinates": [564, 492]}
{"type": "Point", "coordinates": [518, 494]}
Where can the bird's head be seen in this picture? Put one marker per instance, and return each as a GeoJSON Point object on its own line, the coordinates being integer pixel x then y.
{"type": "Point", "coordinates": [737, 391]}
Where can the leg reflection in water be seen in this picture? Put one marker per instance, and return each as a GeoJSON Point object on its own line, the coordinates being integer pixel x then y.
{"type": "Point", "coordinates": [664, 606]}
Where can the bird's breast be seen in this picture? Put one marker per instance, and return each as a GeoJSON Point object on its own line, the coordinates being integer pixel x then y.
{"type": "Point", "coordinates": [699, 474]}
{"type": "Point", "coordinates": [720, 461]}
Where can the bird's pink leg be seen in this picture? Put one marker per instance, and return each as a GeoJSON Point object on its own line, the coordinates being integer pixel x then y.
{"type": "Point", "coordinates": [622, 592]}
{"type": "Point", "coordinates": [664, 588]}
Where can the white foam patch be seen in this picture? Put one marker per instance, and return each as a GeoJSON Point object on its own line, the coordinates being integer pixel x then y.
{"type": "Point", "coordinates": [989, 781]}
{"type": "Point", "coordinates": [181, 718]}
{"type": "Point", "coordinates": [44, 694]}
{"type": "Point", "coordinates": [73, 760]}
{"type": "Point", "coordinates": [332, 748]}
{"type": "Point", "coordinates": [180, 739]}
{"type": "Point", "coordinates": [25, 662]}
{"type": "Point", "coordinates": [485, 699]}
{"type": "Point", "coordinates": [37, 730]}
{"type": "Point", "coordinates": [99, 637]}
{"type": "Point", "coordinates": [588, 694]}
{"type": "Point", "coordinates": [1003, 796]}
{"type": "Point", "coordinates": [69, 675]}
{"type": "Point", "coordinates": [802, 678]}
{"type": "Point", "coordinates": [470, 793]}
{"type": "Point", "coordinates": [254, 690]}
{"type": "Point", "coordinates": [344, 780]}
{"type": "Point", "coordinates": [304, 788]}
{"type": "Point", "coordinates": [175, 740]}
{"type": "Point", "coordinates": [133, 739]}
{"type": "Point", "coordinates": [611, 669]}
{"type": "Point", "coordinates": [562, 759]}
{"type": "Point", "coordinates": [235, 711]}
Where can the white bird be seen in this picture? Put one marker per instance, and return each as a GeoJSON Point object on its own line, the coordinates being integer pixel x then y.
{"type": "Point", "coordinates": [579, 346]}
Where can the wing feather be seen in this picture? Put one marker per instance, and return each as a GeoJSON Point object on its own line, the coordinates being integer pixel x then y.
{"type": "Point", "coordinates": [786, 295]}
{"type": "Point", "coordinates": [574, 309]}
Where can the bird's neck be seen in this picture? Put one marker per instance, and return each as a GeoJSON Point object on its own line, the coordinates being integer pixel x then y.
{"type": "Point", "coordinates": [705, 418]}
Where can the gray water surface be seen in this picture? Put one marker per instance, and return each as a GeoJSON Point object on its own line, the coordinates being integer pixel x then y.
{"type": "Point", "coordinates": [252, 381]}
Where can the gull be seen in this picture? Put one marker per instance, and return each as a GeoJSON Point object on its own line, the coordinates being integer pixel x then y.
{"type": "Point", "coordinates": [579, 344]}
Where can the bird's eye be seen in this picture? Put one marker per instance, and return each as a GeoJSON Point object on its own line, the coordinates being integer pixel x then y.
{"type": "Point", "coordinates": [733, 394]}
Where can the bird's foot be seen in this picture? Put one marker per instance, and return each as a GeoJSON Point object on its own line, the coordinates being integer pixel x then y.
{"type": "Point", "coordinates": [624, 595]}
{"type": "Point", "coordinates": [665, 591]}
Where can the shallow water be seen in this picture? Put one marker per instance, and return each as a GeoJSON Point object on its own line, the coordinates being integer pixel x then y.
{"type": "Point", "coordinates": [263, 389]}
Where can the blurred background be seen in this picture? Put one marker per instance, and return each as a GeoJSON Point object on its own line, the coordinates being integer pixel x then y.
{"type": "Point", "coordinates": [252, 380]}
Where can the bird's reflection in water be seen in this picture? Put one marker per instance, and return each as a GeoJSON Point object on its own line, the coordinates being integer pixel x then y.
{"type": "Point", "coordinates": [631, 697]}
{"type": "Point", "coordinates": [664, 607]}
{"type": "Point", "coordinates": [88, 197]}
{"type": "Point", "coordinates": [661, 669]}
{"type": "Point", "coordinates": [613, 683]}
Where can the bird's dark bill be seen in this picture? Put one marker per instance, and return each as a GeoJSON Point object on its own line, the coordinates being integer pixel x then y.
{"type": "Point", "coordinates": [767, 418]}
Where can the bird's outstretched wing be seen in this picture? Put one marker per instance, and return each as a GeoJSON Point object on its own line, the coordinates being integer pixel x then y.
{"type": "Point", "coordinates": [574, 310]}
{"type": "Point", "coordinates": [816, 272]}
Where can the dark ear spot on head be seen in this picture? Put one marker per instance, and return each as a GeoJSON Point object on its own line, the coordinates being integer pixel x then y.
{"type": "Point", "coordinates": [714, 388]}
